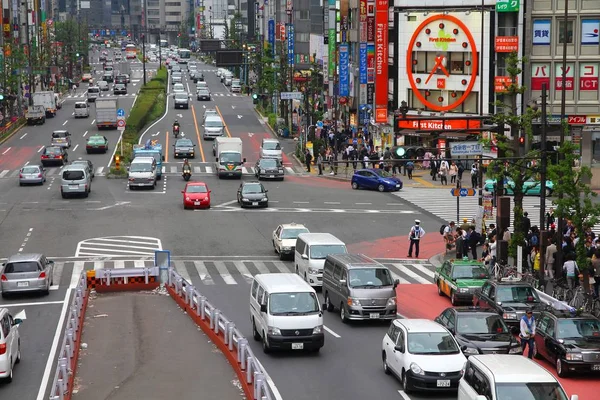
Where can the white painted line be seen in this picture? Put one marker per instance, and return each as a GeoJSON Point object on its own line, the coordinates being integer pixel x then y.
{"type": "Point", "coordinates": [245, 170]}
{"type": "Point", "coordinates": [164, 169]}
{"type": "Point", "coordinates": [197, 170]}
{"type": "Point", "coordinates": [77, 269]}
{"type": "Point", "coordinates": [301, 202]}
{"type": "Point", "coordinates": [26, 164]}
{"type": "Point", "coordinates": [173, 170]}
{"type": "Point", "coordinates": [209, 169]}
{"type": "Point", "coordinates": [290, 170]}
{"type": "Point", "coordinates": [15, 173]}
{"type": "Point", "coordinates": [226, 203]}
{"type": "Point", "coordinates": [41, 303]}
{"type": "Point", "coordinates": [6, 151]}
{"type": "Point", "coordinates": [331, 202]}
{"type": "Point", "coordinates": [403, 395]}
{"type": "Point", "coordinates": [76, 146]}
{"type": "Point", "coordinates": [220, 266]}
{"type": "Point", "coordinates": [203, 273]}
{"type": "Point", "coordinates": [119, 264]}
{"type": "Point", "coordinates": [40, 149]}
{"type": "Point", "coordinates": [410, 273]}
{"type": "Point", "coordinates": [86, 132]}
{"type": "Point", "coordinates": [244, 271]}
{"type": "Point", "coordinates": [182, 270]}
{"type": "Point", "coordinates": [363, 204]}
{"type": "Point", "coordinates": [99, 170]}
{"type": "Point", "coordinates": [93, 122]}
{"type": "Point", "coordinates": [260, 266]}
{"type": "Point", "coordinates": [139, 264]}
{"type": "Point", "coordinates": [25, 134]}
{"type": "Point", "coordinates": [332, 333]}
{"type": "Point", "coordinates": [50, 362]}
{"type": "Point", "coordinates": [423, 270]}
{"type": "Point", "coordinates": [3, 173]}
{"type": "Point", "coordinates": [54, 287]}
{"type": "Point", "coordinates": [64, 123]}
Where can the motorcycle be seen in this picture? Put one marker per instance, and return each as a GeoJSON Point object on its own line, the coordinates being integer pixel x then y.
{"type": "Point", "coordinates": [187, 174]}
{"type": "Point", "coordinates": [176, 131]}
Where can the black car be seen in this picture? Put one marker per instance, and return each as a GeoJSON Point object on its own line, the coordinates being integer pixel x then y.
{"type": "Point", "coordinates": [184, 148]}
{"type": "Point", "coordinates": [268, 168]}
{"type": "Point", "coordinates": [121, 79]}
{"type": "Point", "coordinates": [481, 331]}
{"type": "Point", "coordinates": [108, 78]}
{"type": "Point", "coordinates": [198, 77]}
{"type": "Point", "coordinates": [569, 340]}
{"type": "Point", "coordinates": [252, 194]}
{"type": "Point", "coordinates": [120, 88]}
{"type": "Point", "coordinates": [203, 94]}
{"type": "Point", "coordinates": [54, 155]}
{"type": "Point", "coordinates": [510, 299]}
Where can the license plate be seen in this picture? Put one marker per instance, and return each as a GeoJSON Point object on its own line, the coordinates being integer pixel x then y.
{"type": "Point", "coordinates": [73, 186]}
{"type": "Point", "coordinates": [254, 203]}
{"type": "Point", "coordinates": [398, 185]}
{"type": "Point", "coordinates": [596, 367]}
{"type": "Point", "coordinates": [271, 176]}
{"type": "Point", "coordinates": [297, 346]}
{"type": "Point", "coordinates": [196, 203]}
{"type": "Point", "coordinates": [443, 383]}
{"type": "Point", "coordinates": [22, 284]}
{"type": "Point", "coordinates": [374, 315]}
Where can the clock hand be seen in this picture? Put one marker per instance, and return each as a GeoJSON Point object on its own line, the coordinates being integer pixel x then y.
{"type": "Point", "coordinates": [438, 64]}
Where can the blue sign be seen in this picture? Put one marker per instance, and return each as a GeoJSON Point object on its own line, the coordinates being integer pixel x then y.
{"type": "Point", "coordinates": [123, 33]}
{"type": "Point", "coordinates": [362, 62]}
{"type": "Point", "coordinates": [120, 112]}
{"type": "Point", "coordinates": [344, 70]}
{"type": "Point", "coordinates": [364, 113]}
{"type": "Point", "coordinates": [290, 44]}
{"type": "Point", "coordinates": [94, 32]}
{"type": "Point", "coordinates": [319, 124]}
{"type": "Point", "coordinates": [466, 148]}
{"type": "Point", "coordinates": [113, 33]}
{"type": "Point", "coordinates": [272, 34]}
{"type": "Point", "coordinates": [103, 32]}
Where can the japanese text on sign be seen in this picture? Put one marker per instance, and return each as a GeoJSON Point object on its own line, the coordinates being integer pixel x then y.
{"type": "Point", "coordinates": [466, 149]}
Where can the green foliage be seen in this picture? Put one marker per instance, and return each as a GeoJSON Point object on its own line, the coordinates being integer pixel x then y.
{"type": "Point", "coordinates": [272, 120]}
{"type": "Point", "coordinates": [576, 204]}
{"type": "Point", "coordinates": [233, 32]}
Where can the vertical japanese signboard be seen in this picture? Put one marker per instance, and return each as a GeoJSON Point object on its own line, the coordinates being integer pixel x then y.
{"type": "Point", "coordinates": [540, 74]}
{"type": "Point", "coordinates": [370, 28]}
{"type": "Point", "coordinates": [362, 57]}
{"type": "Point", "coordinates": [290, 38]}
{"type": "Point", "coordinates": [332, 43]}
{"type": "Point", "coordinates": [344, 80]}
{"type": "Point", "coordinates": [381, 60]}
{"type": "Point", "coordinates": [569, 76]}
{"type": "Point", "coordinates": [272, 35]}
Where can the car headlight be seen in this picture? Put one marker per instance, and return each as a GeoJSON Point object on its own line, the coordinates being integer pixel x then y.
{"type": "Point", "coordinates": [262, 171]}
{"type": "Point", "coordinates": [187, 199]}
{"type": "Point", "coordinates": [353, 302]}
{"type": "Point", "coordinates": [245, 199]}
{"type": "Point", "coordinates": [391, 301]}
{"type": "Point", "coordinates": [286, 248]}
{"type": "Point", "coordinates": [509, 315]}
{"type": "Point", "coordinates": [274, 331]}
{"type": "Point", "coordinates": [416, 369]}
{"type": "Point", "coordinates": [317, 329]}
{"type": "Point", "coordinates": [470, 351]}
{"type": "Point", "coordinates": [515, 350]}
{"type": "Point", "coordinates": [281, 171]}
{"type": "Point", "coordinates": [192, 153]}
{"type": "Point", "coordinates": [574, 357]}
{"type": "Point", "coordinates": [313, 271]}
{"type": "Point", "coordinates": [464, 290]}
{"type": "Point", "coordinates": [264, 199]}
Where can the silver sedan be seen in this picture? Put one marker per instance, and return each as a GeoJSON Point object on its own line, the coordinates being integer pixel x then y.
{"type": "Point", "coordinates": [32, 174]}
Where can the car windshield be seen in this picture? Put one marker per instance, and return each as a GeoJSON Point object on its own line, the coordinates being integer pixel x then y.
{"type": "Point", "coordinates": [53, 150]}
{"type": "Point", "coordinates": [517, 294]}
{"type": "Point", "coordinates": [141, 167]}
{"type": "Point", "coordinates": [469, 272]}
{"type": "Point", "coordinates": [178, 88]}
{"type": "Point", "coordinates": [432, 343]}
{"type": "Point", "coordinates": [19, 267]}
{"type": "Point", "coordinates": [383, 173]}
{"type": "Point", "coordinates": [203, 91]}
{"type": "Point", "coordinates": [293, 303]}
{"type": "Point", "coordinates": [196, 189]}
{"type": "Point", "coordinates": [177, 73]}
{"type": "Point", "coordinates": [230, 158]}
{"type": "Point", "coordinates": [96, 139]}
{"type": "Point", "coordinates": [320, 251]}
{"type": "Point", "coordinates": [80, 162]}
{"type": "Point", "coordinates": [214, 124]}
{"type": "Point", "coordinates": [30, 170]}
{"type": "Point", "coordinates": [292, 233]}
{"type": "Point", "coordinates": [475, 324]}
{"type": "Point", "coordinates": [59, 135]}
{"type": "Point", "coordinates": [530, 391]}
{"type": "Point", "coordinates": [181, 96]}
{"type": "Point", "coordinates": [80, 105]}
{"type": "Point", "coordinates": [369, 277]}
{"type": "Point", "coordinates": [271, 146]}
{"type": "Point", "coordinates": [73, 175]}
{"type": "Point", "coordinates": [578, 329]}
{"type": "Point", "coordinates": [184, 143]}
{"type": "Point", "coordinates": [269, 163]}
{"type": "Point", "coordinates": [252, 188]}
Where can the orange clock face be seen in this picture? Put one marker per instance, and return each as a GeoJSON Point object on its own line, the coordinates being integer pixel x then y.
{"type": "Point", "coordinates": [452, 36]}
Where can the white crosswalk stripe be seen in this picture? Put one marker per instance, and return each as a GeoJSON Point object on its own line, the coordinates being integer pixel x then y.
{"type": "Point", "coordinates": [222, 271]}
{"type": "Point", "coordinates": [115, 246]}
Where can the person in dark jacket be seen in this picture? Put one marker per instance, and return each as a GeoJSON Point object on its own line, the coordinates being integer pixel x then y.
{"type": "Point", "coordinates": [474, 240]}
{"type": "Point", "coordinates": [526, 223]}
{"type": "Point", "coordinates": [460, 244]}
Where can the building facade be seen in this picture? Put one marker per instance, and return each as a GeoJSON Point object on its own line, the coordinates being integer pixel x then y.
{"type": "Point", "coordinates": [167, 15]}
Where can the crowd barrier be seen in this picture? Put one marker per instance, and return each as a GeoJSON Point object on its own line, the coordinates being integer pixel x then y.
{"type": "Point", "coordinates": [255, 381]}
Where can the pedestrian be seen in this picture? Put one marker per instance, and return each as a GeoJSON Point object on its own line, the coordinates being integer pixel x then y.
{"type": "Point", "coordinates": [448, 234]}
{"type": "Point", "coordinates": [527, 334]}
{"type": "Point", "coordinates": [434, 168]}
{"type": "Point", "coordinates": [596, 272]}
{"type": "Point", "coordinates": [453, 172]}
{"type": "Point", "coordinates": [474, 173]}
{"type": "Point", "coordinates": [572, 270]}
{"type": "Point", "coordinates": [549, 263]}
{"type": "Point", "coordinates": [415, 235]}
{"type": "Point", "coordinates": [459, 241]}
{"type": "Point", "coordinates": [474, 240]}
{"type": "Point", "coordinates": [444, 169]}
{"type": "Point", "coordinates": [308, 160]}
{"type": "Point", "coordinates": [525, 223]}
{"type": "Point", "coordinates": [320, 163]}
{"type": "Point", "coordinates": [460, 170]}
{"type": "Point", "coordinates": [410, 166]}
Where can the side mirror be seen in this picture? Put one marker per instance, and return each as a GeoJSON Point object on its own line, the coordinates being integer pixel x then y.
{"type": "Point", "coordinates": [266, 190]}
{"type": "Point", "coordinates": [304, 256]}
{"type": "Point", "coordinates": [217, 159]}
{"type": "Point", "coordinates": [399, 348]}
{"type": "Point", "coordinates": [210, 191]}
{"type": "Point", "coordinates": [263, 308]}
{"type": "Point", "coordinates": [463, 348]}
{"type": "Point", "coordinates": [244, 160]}
{"type": "Point", "coordinates": [342, 281]}
{"type": "Point", "coordinates": [183, 191]}
{"type": "Point", "coordinates": [194, 145]}
{"type": "Point", "coordinates": [574, 397]}
{"type": "Point", "coordinates": [50, 261]}
{"type": "Point", "coordinates": [396, 283]}
{"type": "Point", "coordinates": [17, 321]}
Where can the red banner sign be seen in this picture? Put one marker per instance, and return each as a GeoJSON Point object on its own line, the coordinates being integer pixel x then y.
{"type": "Point", "coordinates": [540, 74]}
{"type": "Point", "coordinates": [381, 60]}
{"type": "Point", "coordinates": [588, 76]}
{"type": "Point", "coordinates": [507, 44]}
{"type": "Point", "coordinates": [577, 119]}
{"type": "Point", "coordinates": [435, 124]}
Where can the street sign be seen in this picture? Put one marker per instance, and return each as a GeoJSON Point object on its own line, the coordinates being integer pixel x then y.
{"type": "Point", "coordinates": [121, 122]}
{"type": "Point", "coordinates": [120, 112]}
{"type": "Point", "coordinates": [507, 5]}
{"type": "Point", "coordinates": [291, 95]}
{"type": "Point", "coordinates": [463, 192]}
{"type": "Point", "coordinates": [466, 149]}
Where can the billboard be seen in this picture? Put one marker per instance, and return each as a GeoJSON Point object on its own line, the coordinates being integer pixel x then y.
{"type": "Point", "coordinates": [230, 58]}
{"type": "Point", "coordinates": [210, 45]}
{"type": "Point", "coordinates": [344, 71]}
{"type": "Point", "coordinates": [381, 60]}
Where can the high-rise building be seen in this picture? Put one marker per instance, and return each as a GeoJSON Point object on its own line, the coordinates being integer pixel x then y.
{"type": "Point", "coordinates": [168, 16]}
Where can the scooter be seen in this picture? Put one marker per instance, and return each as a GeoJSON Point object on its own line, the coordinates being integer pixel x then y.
{"type": "Point", "coordinates": [176, 131]}
{"type": "Point", "coordinates": [187, 174]}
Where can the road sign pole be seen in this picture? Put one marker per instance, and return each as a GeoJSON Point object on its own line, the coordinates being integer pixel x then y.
{"type": "Point", "coordinates": [458, 203]}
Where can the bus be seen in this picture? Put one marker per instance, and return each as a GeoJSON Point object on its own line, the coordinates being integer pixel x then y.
{"type": "Point", "coordinates": [184, 56]}
{"type": "Point", "coordinates": [130, 51]}
{"type": "Point", "coordinates": [164, 43]}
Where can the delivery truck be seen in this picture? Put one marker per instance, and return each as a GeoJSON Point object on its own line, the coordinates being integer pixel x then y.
{"type": "Point", "coordinates": [229, 161]}
{"type": "Point", "coordinates": [106, 113]}
{"type": "Point", "coordinates": [46, 99]}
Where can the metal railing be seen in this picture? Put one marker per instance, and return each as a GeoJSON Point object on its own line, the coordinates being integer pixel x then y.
{"type": "Point", "coordinates": [67, 355]}
{"type": "Point", "coordinates": [264, 388]}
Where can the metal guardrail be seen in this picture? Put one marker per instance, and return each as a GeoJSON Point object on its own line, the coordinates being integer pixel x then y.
{"type": "Point", "coordinates": [263, 386]}
{"type": "Point", "coordinates": [67, 356]}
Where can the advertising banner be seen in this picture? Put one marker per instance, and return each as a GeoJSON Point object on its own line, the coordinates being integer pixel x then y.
{"type": "Point", "coordinates": [540, 74]}
{"type": "Point", "coordinates": [332, 52]}
{"type": "Point", "coordinates": [589, 31]}
{"type": "Point", "coordinates": [370, 63]}
{"type": "Point", "coordinates": [290, 40]}
{"type": "Point", "coordinates": [507, 5]}
{"type": "Point", "coordinates": [272, 34]}
{"type": "Point", "coordinates": [363, 11]}
{"type": "Point", "coordinates": [541, 31]}
{"type": "Point", "coordinates": [507, 44]}
{"type": "Point", "coordinates": [569, 76]}
{"type": "Point", "coordinates": [344, 77]}
{"type": "Point", "coordinates": [344, 22]}
{"type": "Point", "coordinates": [370, 29]}
{"type": "Point", "coordinates": [362, 58]}
{"type": "Point", "coordinates": [370, 93]}
{"type": "Point", "coordinates": [325, 69]}
{"type": "Point", "coordinates": [588, 76]}
{"type": "Point", "coordinates": [381, 60]}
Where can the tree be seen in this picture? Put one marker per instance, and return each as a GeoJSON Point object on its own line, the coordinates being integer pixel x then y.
{"type": "Point", "coordinates": [233, 32]}
{"type": "Point", "coordinates": [517, 169]}
{"type": "Point", "coordinates": [576, 204]}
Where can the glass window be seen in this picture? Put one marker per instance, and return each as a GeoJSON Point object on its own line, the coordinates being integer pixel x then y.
{"type": "Point", "coordinates": [337, 272]}
{"type": "Point", "coordinates": [400, 340]}
{"type": "Point", "coordinates": [517, 294]}
{"type": "Point", "coordinates": [254, 289]}
{"type": "Point", "coordinates": [470, 272]}
{"type": "Point", "coordinates": [20, 267]}
{"type": "Point", "coordinates": [320, 251]}
{"type": "Point", "coordinates": [578, 329]}
{"type": "Point", "coordinates": [530, 391]}
{"type": "Point", "coordinates": [271, 146]}
{"type": "Point", "coordinates": [140, 167]}
{"type": "Point", "coordinates": [252, 188]}
{"type": "Point", "coordinates": [261, 291]}
{"type": "Point", "coordinates": [293, 303]}
{"type": "Point", "coordinates": [393, 332]}
{"type": "Point", "coordinates": [73, 175]}
{"type": "Point", "coordinates": [5, 327]}
{"type": "Point", "coordinates": [561, 31]}
{"type": "Point", "coordinates": [30, 170]}
{"type": "Point", "coordinates": [197, 189]}
{"type": "Point", "coordinates": [432, 343]}
{"type": "Point", "coordinates": [370, 277]}
{"type": "Point", "coordinates": [451, 320]}
{"type": "Point", "coordinates": [292, 233]}
{"type": "Point", "coordinates": [478, 324]}
{"type": "Point", "coordinates": [269, 163]}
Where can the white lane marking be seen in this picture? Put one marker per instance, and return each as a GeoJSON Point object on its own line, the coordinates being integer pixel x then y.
{"type": "Point", "coordinates": [40, 149]}
{"type": "Point", "coordinates": [411, 274]}
{"type": "Point", "coordinates": [119, 264]}
{"type": "Point", "coordinates": [403, 395]}
{"type": "Point", "coordinates": [76, 146]}
{"type": "Point", "coordinates": [93, 122]}
{"type": "Point", "coordinates": [50, 362]}
{"type": "Point", "coordinates": [64, 123]}
{"type": "Point", "coordinates": [244, 271]}
{"type": "Point", "coordinates": [163, 169]}
{"type": "Point", "coordinates": [332, 333]}
{"type": "Point", "coordinates": [25, 134]}
{"type": "Point", "coordinates": [77, 269]}
{"type": "Point", "coordinates": [226, 203]}
{"type": "Point", "coordinates": [220, 266]}
{"type": "Point", "coordinates": [3, 173]}
{"type": "Point", "coordinates": [203, 273]}
{"type": "Point", "coordinates": [363, 204]}
{"type": "Point", "coordinates": [99, 170]}
{"type": "Point", "coordinates": [331, 202]}
{"type": "Point", "coordinates": [197, 170]}
{"type": "Point", "coordinates": [6, 151]}
{"type": "Point", "coordinates": [301, 202]}
{"type": "Point", "coordinates": [180, 267]}
{"type": "Point", "coordinates": [41, 303]}
{"type": "Point", "coordinates": [139, 264]}
{"type": "Point", "coordinates": [424, 270]}
{"type": "Point", "coordinates": [173, 170]}
{"type": "Point", "coordinates": [290, 170]}
{"type": "Point", "coordinates": [209, 169]}
{"type": "Point", "coordinates": [86, 132]}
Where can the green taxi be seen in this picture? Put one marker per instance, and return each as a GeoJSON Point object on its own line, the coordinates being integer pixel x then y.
{"type": "Point", "coordinates": [96, 144]}
{"type": "Point", "coordinates": [458, 279]}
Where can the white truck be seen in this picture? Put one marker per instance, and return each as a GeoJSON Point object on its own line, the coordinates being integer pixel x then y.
{"type": "Point", "coordinates": [229, 159]}
{"type": "Point", "coordinates": [106, 113]}
{"type": "Point", "coordinates": [48, 100]}
{"type": "Point", "coordinates": [36, 115]}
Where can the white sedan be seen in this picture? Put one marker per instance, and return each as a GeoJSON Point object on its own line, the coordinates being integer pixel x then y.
{"type": "Point", "coordinates": [10, 344]}
{"type": "Point", "coordinates": [284, 238]}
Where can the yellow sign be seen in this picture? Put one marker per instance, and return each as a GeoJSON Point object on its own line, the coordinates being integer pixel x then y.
{"type": "Point", "coordinates": [7, 51]}
{"type": "Point", "coordinates": [230, 167]}
{"type": "Point", "coordinates": [6, 27]}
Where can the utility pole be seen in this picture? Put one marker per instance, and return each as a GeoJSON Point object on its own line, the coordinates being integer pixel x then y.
{"type": "Point", "coordinates": [144, 54]}
{"type": "Point", "coordinates": [29, 54]}
{"type": "Point", "coordinates": [159, 51]}
{"type": "Point", "coordinates": [543, 167]}
{"type": "Point", "coordinates": [291, 36]}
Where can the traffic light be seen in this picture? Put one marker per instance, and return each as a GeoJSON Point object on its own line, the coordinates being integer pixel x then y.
{"type": "Point", "coordinates": [1, 97]}
{"type": "Point", "coordinates": [408, 153]}
{"type": "Point", "coordinates": [117, 162]}
{"type": "Point", "coordinates": [254, 98]}
{"type": "Point", "coordinates": [522, 141]}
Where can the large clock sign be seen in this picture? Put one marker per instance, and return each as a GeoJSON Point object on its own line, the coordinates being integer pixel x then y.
{"type": "Point", "coordinates": [448, 35]}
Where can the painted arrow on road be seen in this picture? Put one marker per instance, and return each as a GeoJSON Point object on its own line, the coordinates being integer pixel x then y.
{"type": "Point", "coordinates": [233, 107]}
{"type": "Point", "coordinates": [239, 116]}
{"type": "Point", "coordinates": [156, 134]}
{"type": "Point", "coordinates": [179, 115]}
{"type": "Point", "coordinates": [250, 134]}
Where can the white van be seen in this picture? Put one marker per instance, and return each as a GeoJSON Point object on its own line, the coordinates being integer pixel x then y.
{"type": "Point", "coordinates": [310, 254]}
{"type": "Point", "coordinates": [505, 376]}
{"type": "Point", "coordinates": [213, 127]}
{"type": "Point", "coordinates": [81, 110]}
{"type": "Point", "coordinates": [285, 313]}
{"type": "Point", "coordinates": [93, 92]}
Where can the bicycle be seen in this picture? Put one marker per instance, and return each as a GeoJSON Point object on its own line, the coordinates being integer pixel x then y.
{"type": "Point", "coordinates": [585, 301]}
{"type": "Point", "coordinates": [500, 271]}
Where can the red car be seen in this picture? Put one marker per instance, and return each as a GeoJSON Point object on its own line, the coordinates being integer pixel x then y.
{"type": "Point", "coordinates": [196, 195]}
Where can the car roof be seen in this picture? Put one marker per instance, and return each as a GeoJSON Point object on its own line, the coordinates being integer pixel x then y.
{"type": "Point", "coordinates": [283, 283]}
{"type": "Point", "coordinates": [420, 325]}
{"type": "Point", "coordinates": [270, 140]}
{"type": "Point", "coordinates": [74, 167]}
{"type": "Point", "coordinates": [142, 159]}
{"type": "Point", "coordinates": [53, 148]}
{"type": "Point", "coordinates": [250, 183]}
{"type": "Point", "coordinates": [292, 225]}
{"type": "Point", "coordinates": [564, 314]}
{"type": "Point", "coordinates": [24, 257]}
{"type": "Point", "coordinates": [512, 368]}
{"type": "Point", "coordinates": [473, 310]}
{"type": "Point", "coordinates": [196, 184]}
{"type": "Point", "coordinates": [81, 102]}
{"type": "Point", "coordinates": [355, 260]}
{"type": "Point", "coordinates": [60, 131]}
{"type": "Point", "coordinates": [321, 238]}
{"type": "Point", "coordinates": [465, 262]}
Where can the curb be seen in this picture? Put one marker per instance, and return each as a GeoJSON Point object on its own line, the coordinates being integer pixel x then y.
{"type": "Point", "coordinates": [17, 129]}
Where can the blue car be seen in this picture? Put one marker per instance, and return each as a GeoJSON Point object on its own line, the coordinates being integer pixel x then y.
{"type": "Point", "coordinates": [375, 179]}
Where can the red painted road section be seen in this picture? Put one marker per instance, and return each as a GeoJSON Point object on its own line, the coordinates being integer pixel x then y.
{"type": "Point", "coordinates": [397, 247]}
{"type": "Point", "coordinates": [422, 301]}
{"type": "Point", "coordinates": [16, 157]}
{"type": "Point", "coordinates": [318, 182]}
{"type": "Point", "coordinates": [252, 144]}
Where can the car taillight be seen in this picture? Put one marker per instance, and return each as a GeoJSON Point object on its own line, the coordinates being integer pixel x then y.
{"type": "Point", "coordinates": [3, 278]}
{"type": "Point", "coordinates": [3, 348]}
{"type": "Point", "coordinates": [44, 156]}
{"type": "Point", "coordinates": [39, 175]}
{"type": "Point", "coordinates": [42, 275]}
{"type": "Point", "coordinates": [58, 156]}
{"type": "Point", "coordinates": [20, 175]}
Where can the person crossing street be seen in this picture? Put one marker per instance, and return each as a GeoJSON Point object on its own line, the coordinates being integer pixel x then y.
{"type": "Point", "coordinates": [415, 235]}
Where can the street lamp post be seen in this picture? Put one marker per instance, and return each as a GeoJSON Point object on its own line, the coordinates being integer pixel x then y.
{"type": "Point", "coordinates": [144, 55]}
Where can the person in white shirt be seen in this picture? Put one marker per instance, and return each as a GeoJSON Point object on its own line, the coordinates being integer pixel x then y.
{"type": "Point", "coordinates": [415, 235]}
{"type": "Point", "coordinates": [527, 334]}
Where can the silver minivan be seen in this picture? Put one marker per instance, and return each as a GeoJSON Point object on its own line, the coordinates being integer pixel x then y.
{"type": "Point", "coordinates": [270, 148]}
{"type": "Point", "coordinates": [358, 286]}
{"type": "Point", "coordinates": [27, 273]}
{"type": "Point", "coordinates": [311, 251]}
{"type": "Point", "coordinates": [213, 127]}
{"type": "Point", "coordinates": [142, 173]}
{"type": "Point", "coordinates": [81, 110]}
{"type": "Point", "coordinates": [75, 179]}
{"type": "Point", "coordinates": [93, 93]}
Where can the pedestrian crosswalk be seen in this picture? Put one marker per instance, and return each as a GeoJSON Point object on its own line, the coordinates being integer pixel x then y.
{"type": "Point", "coordinates": [50, 172]}
{"type": "Point", "coordinates": [78, 96]}
{"type": "Point", "coordinates": [442, 204]}
{"type": "Point", "coordinates": [206, 169]}
{"type": "Point", "coordinates": [214, 272]}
